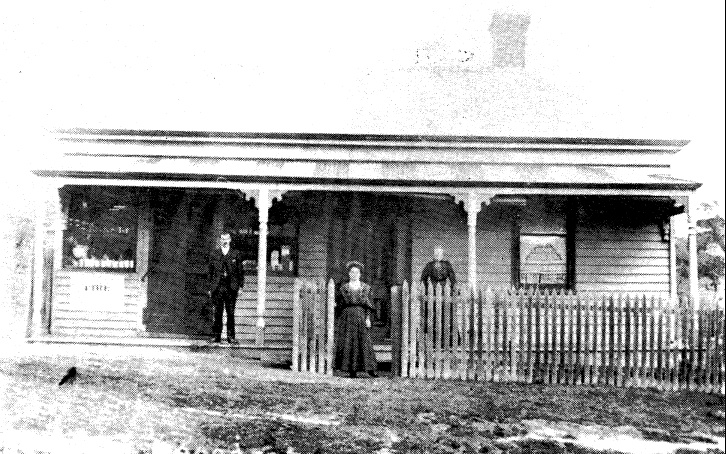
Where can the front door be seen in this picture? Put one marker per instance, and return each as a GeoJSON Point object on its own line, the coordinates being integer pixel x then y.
{"type": "Point", "coordinates": [177, 302]}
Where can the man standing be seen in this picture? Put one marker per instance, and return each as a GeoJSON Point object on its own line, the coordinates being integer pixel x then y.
{"type": "Point", "coordinates": [226, 277]}
{"type": "Point", "coordinates": [438, 271]}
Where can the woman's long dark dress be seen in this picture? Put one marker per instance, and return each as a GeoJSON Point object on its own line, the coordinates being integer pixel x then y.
{"type": "Point", "coordinates": [354, 350]}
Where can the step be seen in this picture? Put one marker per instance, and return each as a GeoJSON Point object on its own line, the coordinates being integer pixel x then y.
{"type": "Point", "coordinates": [383, 352]}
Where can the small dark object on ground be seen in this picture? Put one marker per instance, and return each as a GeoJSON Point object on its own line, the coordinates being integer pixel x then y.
{"type": "Point", "coordinates": [69, 377]}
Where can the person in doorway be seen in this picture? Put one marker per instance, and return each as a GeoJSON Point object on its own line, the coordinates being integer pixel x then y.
{"type": "Point", "coordinates": [438, 271]}
{"type": "Point", "coordinates": [354, 352]}
{"type": "Point", "coordinates": [226, 277]}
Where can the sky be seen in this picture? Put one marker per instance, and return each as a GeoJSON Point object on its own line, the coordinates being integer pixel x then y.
{"type": "Point", "coordinates": [633, 69]}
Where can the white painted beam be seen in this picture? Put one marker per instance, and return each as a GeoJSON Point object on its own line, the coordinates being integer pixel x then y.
{"type": "Point", "coordinates": [283, 187]}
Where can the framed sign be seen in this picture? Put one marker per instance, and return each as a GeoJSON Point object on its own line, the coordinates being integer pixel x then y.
{"type": "Point", "coordinates": [97, 291]}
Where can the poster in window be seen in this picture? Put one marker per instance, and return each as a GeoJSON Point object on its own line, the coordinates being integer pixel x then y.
{"type": "Point", "coordinates": [542, 260]}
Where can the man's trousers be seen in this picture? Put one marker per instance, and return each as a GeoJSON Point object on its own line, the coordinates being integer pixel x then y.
{"type": "Point", "coordinates": [224, 299]}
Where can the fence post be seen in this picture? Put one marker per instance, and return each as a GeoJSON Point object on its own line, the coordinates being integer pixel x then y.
{"type": "Point", "coordinates": [396, 331]}
{"type": "Point", "coordinates": [296, 326]}
{"type": "Point", "coordinates": [457, 333]}
{"type": "Point", "coordinates": [667, 335]}
{"type": "Point", "coordinates": [587, 361]}
{"type": "Point", "coordinates": [712, 346]}
{"type": "Point", "coordinates": [405, 347]}
{"type": "Point", "coordinates": [720, 353]}
{"type": "Point", "coordinates": [447, 331]}
{"type": "Point", "coordinates": [636, 341]}
{"type": "Point", "coordinates": [315, 328]}
{"type": "Point", "coordinates": [429, 331]}
{"type": "Point", "coordinates": [619, 378]}
{"type": "Point", "coordinates": [596, 324]}
{"type": "Point", "coordinates": [472, 334]}
{"type": "Point", "coordinates": [304, 323]}
{"type": "Point", "coordinates": [485, 332]}
{"type": "Point", "coordinates": [699, 345]}
{"type": "Point", "coordinates": [579, 357]}
{"type": "Point", "coordinates": [330, 335]}
{"type": "Point", "coordinates": [438, 328]}
{"type": "Point", "coordinates": [417, 333]}
{"type": "Point", "coordinates": [546, 362]}
{"type": "Point", "coordinates": [480, 335]}
{"type": "Point", "coordinates": [561, 321]}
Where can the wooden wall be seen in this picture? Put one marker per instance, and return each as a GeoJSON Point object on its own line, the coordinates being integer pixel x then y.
{"type": "Point", "coordinates": [70, 318]}
{"type": "Point", "coordinates": [620, 248]}
{"type": "Point", "coordinates": [441, 222]}
{"type": "Point", "coordinates": [278, 312]}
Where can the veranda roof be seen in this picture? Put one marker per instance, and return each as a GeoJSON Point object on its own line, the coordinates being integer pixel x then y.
{"type": "Point", "coordinates": [466, 161]}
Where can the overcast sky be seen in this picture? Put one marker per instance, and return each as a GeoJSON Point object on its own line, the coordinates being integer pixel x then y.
{"type": "Point", "coordinates": [640, 70]}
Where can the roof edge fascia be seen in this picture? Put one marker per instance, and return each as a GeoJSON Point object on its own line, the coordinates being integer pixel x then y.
{"type": "Point", "coordinates": [407, 141]}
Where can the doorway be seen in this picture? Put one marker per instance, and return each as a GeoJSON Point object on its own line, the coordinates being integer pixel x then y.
{"type": "Point", "coordinates": [373, 229]}
{"type": "Point", "coordinates": [177, 304]}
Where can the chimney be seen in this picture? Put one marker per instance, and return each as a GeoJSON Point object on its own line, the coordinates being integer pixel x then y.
{"type": "Point", "coordinates": [509, 39]}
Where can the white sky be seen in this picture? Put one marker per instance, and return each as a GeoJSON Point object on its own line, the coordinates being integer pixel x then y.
{"type": "Point", "coordinates": [642, 69]}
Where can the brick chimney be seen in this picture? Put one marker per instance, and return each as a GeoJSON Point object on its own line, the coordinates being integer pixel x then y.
{"type": "Point", "coordinates": [509, 39]}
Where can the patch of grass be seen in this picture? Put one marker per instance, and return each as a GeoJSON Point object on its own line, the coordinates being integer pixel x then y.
{"type": "Point", "coordinates": [429, 416]}
{"type": "Point", "coordinates": [277, 436]}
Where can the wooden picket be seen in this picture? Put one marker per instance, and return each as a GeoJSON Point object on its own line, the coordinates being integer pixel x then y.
{"type": "Point", "coordinates": [313, 326]}
{"type": "Point", "coordinates": [627, 340]}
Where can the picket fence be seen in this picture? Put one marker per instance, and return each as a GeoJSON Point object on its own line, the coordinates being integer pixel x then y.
{"type": "Point", "coordinates": [558, 338]}
{"type": "Point", "coordinates": [529, 336]}
{"type": "Point", "coordinates": [312, 326]}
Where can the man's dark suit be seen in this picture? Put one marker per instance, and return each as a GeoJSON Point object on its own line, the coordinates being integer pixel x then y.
{"type": "Point", "coordinates": [226, 277]}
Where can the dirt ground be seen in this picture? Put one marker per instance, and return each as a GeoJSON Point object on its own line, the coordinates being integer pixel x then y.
{"type": "Point", "coordinates": [142, 400]}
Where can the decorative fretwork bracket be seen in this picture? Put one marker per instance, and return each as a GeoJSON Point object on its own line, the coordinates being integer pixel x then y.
{"type": "Point", "coordinates": [472, 200]}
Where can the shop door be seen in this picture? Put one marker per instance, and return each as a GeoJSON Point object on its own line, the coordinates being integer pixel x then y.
{"type": "Point", "coordinates": [177, 301]}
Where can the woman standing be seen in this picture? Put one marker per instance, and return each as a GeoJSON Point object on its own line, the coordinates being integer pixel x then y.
{"type": "Point", "coordinates": [354, 351]}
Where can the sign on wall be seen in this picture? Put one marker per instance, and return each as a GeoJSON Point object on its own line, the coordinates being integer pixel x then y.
{"type": "Point", "coordinates": [97, 291]}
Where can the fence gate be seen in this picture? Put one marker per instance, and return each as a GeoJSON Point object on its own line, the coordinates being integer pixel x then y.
{"type": "Point", "coordinates": [312, 326]}
{"type": "Point", "coordinates": [566, 338]}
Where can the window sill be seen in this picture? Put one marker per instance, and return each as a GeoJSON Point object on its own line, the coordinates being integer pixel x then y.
{"type": "Point", "coordinates": [100, 270]}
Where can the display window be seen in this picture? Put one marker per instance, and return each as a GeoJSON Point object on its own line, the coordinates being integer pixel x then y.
{"type": "Point", "coordinates": [101, 228]}
{"type": "Point", "coordinates": [282, 237]}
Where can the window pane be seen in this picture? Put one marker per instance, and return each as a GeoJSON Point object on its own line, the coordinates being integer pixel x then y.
{"type": "Point", "coordinates": [282, 244]}
{"type": "Point", "coordinates": [101, 228]}
{"type": "Point", "coordinates": [542, 260]}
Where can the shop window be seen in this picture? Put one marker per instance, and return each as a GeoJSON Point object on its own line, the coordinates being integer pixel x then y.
{"type": "Point", "coordinates": [281, 248]}
{"type": "Point", "coordinates": [101, 228]}
{"type": "Point", "coordinates": [282, 238]}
